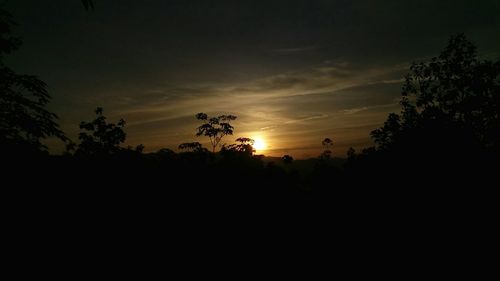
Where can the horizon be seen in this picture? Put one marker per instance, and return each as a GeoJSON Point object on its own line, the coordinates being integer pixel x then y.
{"type": "Point", "coordinates": [293, 72]}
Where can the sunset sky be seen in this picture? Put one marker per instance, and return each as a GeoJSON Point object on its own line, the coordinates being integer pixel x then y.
{"type": "Point", "coordinates": [294, 72]}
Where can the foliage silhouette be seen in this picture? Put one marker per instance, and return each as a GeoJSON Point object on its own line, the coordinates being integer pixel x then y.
{"type": "Point", "coordinates": [215, 128]}
{"type": "Point", "coordinates": [287, 159]}
{"type": "Point", "coordinates": [192, 147]}
{"type": "Point", "coordinates": [245, 146]}
{"type": "Point", "coordinates": [100, 137]}
{"type": "Point", "coordinates": [327, 143]}
{"type": "Point", "coordinates": [24, 119]}
{"type": "Point", "coordinates": [454, 96]}
{"type": "Point", "coordinates": [449, 125]}
{"type": "Point", "coordinates": [327, 146]}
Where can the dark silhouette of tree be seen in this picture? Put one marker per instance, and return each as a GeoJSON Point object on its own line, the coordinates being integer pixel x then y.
{"type": "Point", "coordinates": [351, 153]}
{"type": "Point", "coordinates": [215, 128]}
{"type": "Point", "coordinates": [24, 119]}
{"type": "Point", "coordinates": [454, 93]}
{"type": "Point", "coordinates": [327, 145]}
{"type": "Point", "coordinates": [287, 159]}
{"type": "Point", "coordinates": [389, 133]}
{"type": "Point", "coordinates": [192, 147]}
{"type": "Point", "coordinates": [100, 137]}
{"type": "Point", "coordinates": [245, 145]}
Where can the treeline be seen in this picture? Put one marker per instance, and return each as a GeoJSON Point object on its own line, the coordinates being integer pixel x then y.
{"type": "Point", "coordinates": [447, 133]}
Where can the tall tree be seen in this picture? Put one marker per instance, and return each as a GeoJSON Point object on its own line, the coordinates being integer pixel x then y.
{"type": "Point", "coordinates": [24, 119]}
{"type": "Point", "coordinates": [454, 90]}
{"type": "Point", "coordinates": [215, 128]}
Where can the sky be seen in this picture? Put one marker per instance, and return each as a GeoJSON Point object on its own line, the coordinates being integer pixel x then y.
{"type": "Point", "coordinates": [294, 71]}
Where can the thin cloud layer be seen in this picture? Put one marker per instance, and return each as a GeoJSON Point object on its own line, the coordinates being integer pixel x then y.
{"type": "Point", "coordinates": [311, 103]}
{"type": "Point", "coordinates": [293, 71]}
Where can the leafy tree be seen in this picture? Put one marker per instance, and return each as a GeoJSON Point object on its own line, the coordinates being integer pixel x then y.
{"type": "Point", "coordinates": [287, 159]}
{"type": "Point", "coordinates": [389, 133]}
{"type": "Point", "coordinates": [245, 146]}
{"type": "Point", "coordinates": [454, 92]}
{"type": "Point", "coordinates": [192, 147]}
{"type": "Point", "coordinates": [100, 137]}
{"type": "Point", "coordinates": [24, 119]}
{"type": "Point", "coordinates": [215, 128]}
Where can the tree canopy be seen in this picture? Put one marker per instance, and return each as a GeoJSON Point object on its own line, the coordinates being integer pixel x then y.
{"type": "Point", "coordinates": [24, 119]}
{"type": "Point", "coordinates": [244, 145]}
{"type": "Point", "coordinates": [99, 137]}
{"type": "Point", "coordinates": [453, 97]}
{"type": "Point", "coordinates": [215, 128]}
{"type": "Point", "coordinates": [192, 147]}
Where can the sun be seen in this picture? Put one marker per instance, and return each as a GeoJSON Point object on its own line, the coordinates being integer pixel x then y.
{"type": "Point", "coordinates": [259, 144]}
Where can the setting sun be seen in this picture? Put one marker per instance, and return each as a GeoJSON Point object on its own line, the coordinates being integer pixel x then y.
{"type": "Point", "coordinates": [259, 144]}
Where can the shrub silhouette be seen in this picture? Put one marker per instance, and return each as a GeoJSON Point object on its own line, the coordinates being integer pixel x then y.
{"type": "Point", "coordinates": [287, 159]}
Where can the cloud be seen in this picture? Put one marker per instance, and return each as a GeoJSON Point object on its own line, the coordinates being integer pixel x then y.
{"type": "Point", "coordinates": [355, 110]}
{"type": "Point", "coordinates": [319, 80]}
{"type": "Point", "coordinates": [302, 105]}
{"type": "Point", "coordinates": [288, 51]}
{"type": "Point", "coordinates": [308, 118]}
{"type": "Point", "coordinates": [271, 102]}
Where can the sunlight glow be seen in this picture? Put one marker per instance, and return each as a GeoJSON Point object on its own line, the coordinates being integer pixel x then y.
{"type": "Point", "coordinates": [259, 144]}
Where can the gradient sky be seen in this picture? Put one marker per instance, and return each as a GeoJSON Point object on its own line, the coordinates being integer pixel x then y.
{"type": "Point", "coordinates": [294, 72]}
